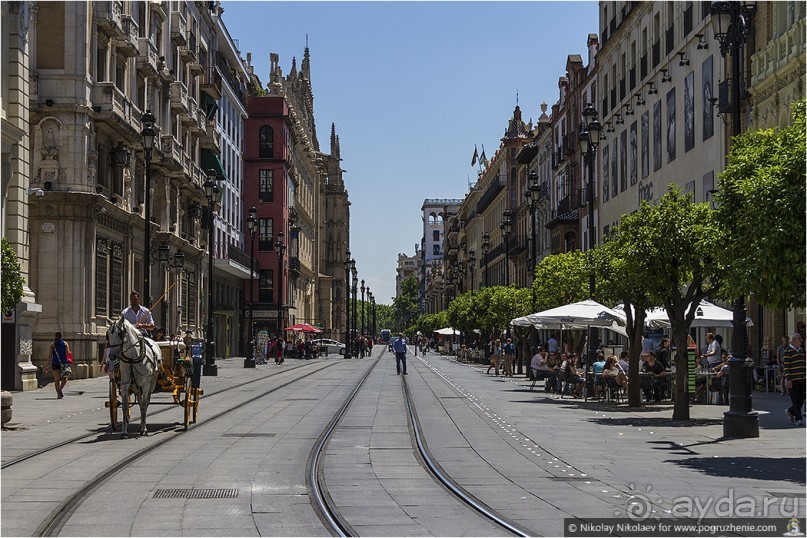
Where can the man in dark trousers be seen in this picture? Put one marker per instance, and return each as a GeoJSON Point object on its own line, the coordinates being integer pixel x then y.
{"type": "Point", "coordinates": [793, 369]}
{"type": "Point", "coordinates": [399, 347]}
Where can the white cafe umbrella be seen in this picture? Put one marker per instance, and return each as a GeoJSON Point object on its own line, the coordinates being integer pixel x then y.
{"type": "Point", "coordinates": [578, 315]}
{"type": "Point", "coordinates": [446, 331]}
{"type": "Point", "coordinates": [706, 315]}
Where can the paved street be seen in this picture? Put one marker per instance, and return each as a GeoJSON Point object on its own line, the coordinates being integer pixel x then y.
{"type": "Point", "coordinates": [530, 456]}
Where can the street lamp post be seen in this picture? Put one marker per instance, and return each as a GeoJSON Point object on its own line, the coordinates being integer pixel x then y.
{"type": "Point", "coordinates": [471, 264]}
{"type": "Point", "coordinates": [532, 195]}
{"type": "Point", "coordinates": [252, 227]}
{"type": "Point", "coordinates": [362, 314]}
{"type": "Point", "coordinates": [179, 264]}
{"type": "Point", "coordinates": [347, 265]}
{"type": "Point", "coordinates": [372, 302]}
{"type": "Point", "coordinates": [589, 138]}
{"type": "Point", "coordinates": [485, 251]}
{"type": "Point", "coordinates": [732, 24]}
{"type": "Point", "coordinates": [163, 253]}
{"type": "Point", "coordinates": [148, 134]}
{"type": "Point", "coordinates": [280, 248]}
{"type": "Point", "coordinates": [506, 227]}
{"type": "Point", "coordinates": [212, 191]}
{"type": "Point", "coordinates": [355, 314]}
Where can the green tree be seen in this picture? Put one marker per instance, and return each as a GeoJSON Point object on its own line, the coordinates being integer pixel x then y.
{"type": "Point", "coordinates": [671, 247]}
{"type": "Point", "coordinates": [11, 277]}
{"type": "Point", "coordinates": [621, 279]}
{"type": "Point", "coordinates": [761, 215]}
{"type": "Point", "coordinates": [405, 304]}
{"type": "Point", "coordinates": [384, 316]}
{"type": "Point", "coordinates": [561, 279]}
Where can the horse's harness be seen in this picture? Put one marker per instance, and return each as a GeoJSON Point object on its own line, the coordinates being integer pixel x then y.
{"type": "Point", "coordinates": [141, 343]}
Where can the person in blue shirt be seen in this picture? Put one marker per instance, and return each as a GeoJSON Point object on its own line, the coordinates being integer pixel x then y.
{"type": "Point", "coordinates": [596, 368]}
{"type": "Point", "coordinates": [59, 351]}
{"type": "Point", "coordinates": [399, 347]}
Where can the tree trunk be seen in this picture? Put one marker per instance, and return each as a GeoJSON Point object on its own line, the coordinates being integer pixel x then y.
{"type": "Point", "coordinates": [681, 409]}
{"type": "Point", "coordinates": [634, 388]}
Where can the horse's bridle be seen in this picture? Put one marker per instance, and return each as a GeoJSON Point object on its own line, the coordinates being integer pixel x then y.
{"type": "Point", "coordinates": [140, 341]}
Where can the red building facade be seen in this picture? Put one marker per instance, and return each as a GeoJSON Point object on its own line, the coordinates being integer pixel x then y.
{"type": "Point", "coordinates": [266, 172]}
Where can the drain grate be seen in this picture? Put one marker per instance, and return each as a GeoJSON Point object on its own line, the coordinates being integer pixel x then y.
{"type": "Point", "coordinates": [186, 493]}
{"type": "Point", "coordinates": [253, 434]}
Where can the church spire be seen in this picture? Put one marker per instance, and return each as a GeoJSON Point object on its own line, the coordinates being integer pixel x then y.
{"type": "Point", "coordinates": [306, 65]}
{"type": "Point", "coordinates": [293, 72]}
{"type": "Point", "coordinates": [334, 142]}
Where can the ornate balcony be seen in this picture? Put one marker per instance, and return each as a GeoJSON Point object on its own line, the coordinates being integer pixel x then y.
{"type": "Point", "coordinates": [127, 44]}
{"type": "Point", "coordinates": [172, 153]}
{"type": "Point", "coordinates": [179, 28]}
{"type": "Point", "coordinates": [779, 52]}
{"type": "Point", "coordinates": [211, 83]}
{"type": "Point", "coordinates": [210, 140]}
{"type": "Point", "coordinates": [179, 97]}
{"type": "Point", "coordinates": [112, 107]}
{"type": "Point", "coordinates": [109, 15]}
{"type": "Point", "coordinates": [147, 58]}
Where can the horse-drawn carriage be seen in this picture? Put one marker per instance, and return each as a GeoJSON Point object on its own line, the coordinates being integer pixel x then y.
{"type": "Point", "coordinates": [146, 367]}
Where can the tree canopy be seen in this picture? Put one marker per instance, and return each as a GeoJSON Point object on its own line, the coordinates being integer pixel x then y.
{"type": "Point", "coordinates": [405, 304]}
{"type": "Point", "coordinates": [561, 279]}
{"type": "Point", "coordinates": [761, 215]}
{"type": "Point", "coordinates": [11, 277]}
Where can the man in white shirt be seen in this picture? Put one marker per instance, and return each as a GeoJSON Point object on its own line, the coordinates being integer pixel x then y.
{"type": "Point", "coordinates": [138, 315]}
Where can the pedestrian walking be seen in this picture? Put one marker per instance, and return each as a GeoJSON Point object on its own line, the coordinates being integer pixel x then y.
{"type": "Point", "coordinates": [59, 352]}
{"type": "Point", "coordinates": [509, 351]}
{"type": "Point", "coordinates": [279, 345]}
{"type": "Point", "coordinates": [495, 356]}
{"type": "Point", "coordinates": [399, 347]}
{"type": "Point", "coordinates": [794, 378]}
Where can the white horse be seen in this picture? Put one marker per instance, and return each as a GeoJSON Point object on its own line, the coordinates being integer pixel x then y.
{"type": "Point", "coordinates": [139, 358]}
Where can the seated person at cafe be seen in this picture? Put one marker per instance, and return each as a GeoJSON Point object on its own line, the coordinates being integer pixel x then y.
{"type": "Point", "coordinates": [655, 371]}
{"type": "Point", "coordinates": [613, 370]}
{"type": "Point", "coordinates": [539, 369]}
{"type": "Point", "coordinates": [573, 375]}
{"type": "Point", "coordinates": [596, 369]}
{"type": "Point", "coordinates": [623, 362]}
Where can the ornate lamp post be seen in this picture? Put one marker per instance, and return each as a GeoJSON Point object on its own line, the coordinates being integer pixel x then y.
{"type": "Point", "coordinates": [589, 137]}
{"type": "Point", "coordinates": [732, 23]}
{"type": "Point", "coordinates": [367, 306]}
{"type": "Point", "coordinates": [372, 303]}
{"type": "Point", "coordinates": [355, 314]}
{"type": "Point", "coordinates": [212, 192]}
{"type": "Point", "coordinates": [163, 253]}
{"type": "Point", "coordinates": [179, 264]}
{"type": "Point", "coordinates": [252, 227]}
{"type": "Point", "coordinates": [506, 227]}
{"type": "Point", "coordinates": [362, 305]}
{"type": "Point", "coordinates": [347, 265]}
{"type": "Point", "coordinates": [471, 264]}
{"type": "Point", "coordinates": [148, 134]}
{"type": "Point", "coordinates": [485, 250]}
{"type": "Point", "coordinates": [280, 248]}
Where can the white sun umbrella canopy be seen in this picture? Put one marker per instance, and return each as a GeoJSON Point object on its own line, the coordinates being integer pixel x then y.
{"type": "Point", "coordinates": [706, 315]}
{"type": "Point", "coordinates": [578, 315]}
{"type": "Point", "coordinates": [523, 321]}
{"type": "Point", "coordinates": [446, 331]}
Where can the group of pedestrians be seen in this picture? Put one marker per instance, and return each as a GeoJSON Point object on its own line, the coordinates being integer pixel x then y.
{"type": "Point", "coordinates": [502, 356]}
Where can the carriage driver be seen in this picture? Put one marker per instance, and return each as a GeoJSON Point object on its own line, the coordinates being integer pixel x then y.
{"type": "Point", "coordinates": [138, 315]}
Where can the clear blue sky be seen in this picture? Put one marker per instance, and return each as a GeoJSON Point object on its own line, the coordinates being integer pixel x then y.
{"type": "Point", "coordinates": [412, 86]}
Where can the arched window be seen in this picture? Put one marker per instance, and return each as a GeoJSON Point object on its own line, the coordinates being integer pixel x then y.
{"type": "Point", "coordinates": [266, 141]}
{"type": "Point", "coordinates": [432, 218]}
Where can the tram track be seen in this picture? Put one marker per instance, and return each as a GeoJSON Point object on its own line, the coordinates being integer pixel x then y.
{"type": "Point", "coordinates": [324, 504]}
{"type": "Point", "coordinates": [95, 432]}
{"type": "Point", "coordinates": [55, 521]}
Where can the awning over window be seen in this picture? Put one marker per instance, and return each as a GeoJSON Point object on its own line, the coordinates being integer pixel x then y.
{"type": "Point", "coordinates": [211, 160]}
{"type": "Point", "coordinates": [209, 105]}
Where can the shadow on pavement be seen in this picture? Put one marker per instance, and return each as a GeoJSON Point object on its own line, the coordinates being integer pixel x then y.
{"type": "Point", "coordinates": [783, 469]}
{"type": "Point", "coordinates": [658, 422]}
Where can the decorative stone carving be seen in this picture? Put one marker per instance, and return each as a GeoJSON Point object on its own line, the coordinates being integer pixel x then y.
{"type": "Point", "coordinates": [127, 189]}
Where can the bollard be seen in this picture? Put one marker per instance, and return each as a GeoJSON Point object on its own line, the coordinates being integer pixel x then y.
{"type": "Point", "coordinates": [5, 402]}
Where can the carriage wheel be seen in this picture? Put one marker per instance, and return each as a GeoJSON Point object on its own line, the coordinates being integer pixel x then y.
{"type": "Point", "coordinates": [113, 404]}
{"type": "Point", "coordinates": [188, 407]}
{"type": "Point", "coordinates": [196, 396]}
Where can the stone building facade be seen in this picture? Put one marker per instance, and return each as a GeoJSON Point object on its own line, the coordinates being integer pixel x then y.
{"type": "Point", "coordinates": [96, 68]}
{"type": "Point", "coordinates": [17, 371]}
